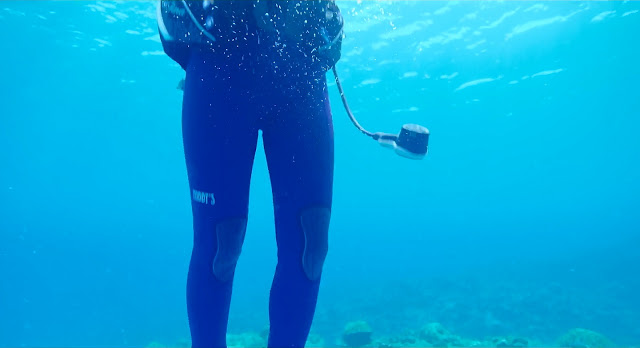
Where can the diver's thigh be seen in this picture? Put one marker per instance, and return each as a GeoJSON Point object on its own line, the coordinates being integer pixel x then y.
{"type": "Point", "coordinates": [220, 137]}
{"type": "Point", "coordinates": [299, 148]}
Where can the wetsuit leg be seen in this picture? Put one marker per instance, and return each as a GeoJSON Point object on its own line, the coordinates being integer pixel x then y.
{"type": "Point", "coordinates": [298, 142]}
{"type": "Point", "coordinates": [220, 137]}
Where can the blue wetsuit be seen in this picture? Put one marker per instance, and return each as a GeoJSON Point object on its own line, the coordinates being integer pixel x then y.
{"type": "Point", "coordinates": [231, 91]}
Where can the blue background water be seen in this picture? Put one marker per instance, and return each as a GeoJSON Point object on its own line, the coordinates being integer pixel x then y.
{"type": "Point", "coordinates": [523, 219]}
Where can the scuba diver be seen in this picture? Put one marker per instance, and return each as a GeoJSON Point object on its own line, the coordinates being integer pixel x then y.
{"type": "Point", "coordinates": [253, 66]}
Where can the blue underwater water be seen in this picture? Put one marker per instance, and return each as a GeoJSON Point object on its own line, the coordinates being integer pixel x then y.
{"type": "Point", "coordinates": [523, 219]}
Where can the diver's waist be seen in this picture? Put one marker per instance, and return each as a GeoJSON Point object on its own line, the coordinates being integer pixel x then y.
{"type": "Point", "coordinates": [260, 53]}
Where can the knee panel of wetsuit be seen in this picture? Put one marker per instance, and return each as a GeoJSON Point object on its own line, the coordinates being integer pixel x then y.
{"type": "Point", "coordinates": [315, 226]}
{"type": "Point", "coordinates": [230, 237]}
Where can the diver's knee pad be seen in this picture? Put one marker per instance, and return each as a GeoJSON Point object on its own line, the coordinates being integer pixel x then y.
{"type": "Point", "coordinates": [230, 236]}
{"type": "Point", "coordinates": [315, 226]}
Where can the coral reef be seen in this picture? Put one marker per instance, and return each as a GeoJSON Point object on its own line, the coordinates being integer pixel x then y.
{"type": "Point", "coordinates": [250, 339]}
{"type": "Point", "coordinates": [315, 341]}
{"type": "Point", "coordinates": [540, 308]}
{"type": "Point", "coordinates": [438, 336]}
{"type": "Point", "coordinates": [583, 338]}
{"type": "Point", "coordinates": [509, 342]}
{"type": "Point", "coordinates": [182, 343]}
{"type": "Point", "coordinates": [357, 334]}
